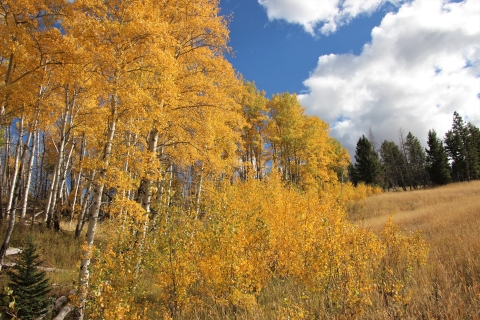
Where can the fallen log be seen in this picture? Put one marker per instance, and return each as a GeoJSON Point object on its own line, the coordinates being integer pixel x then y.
{"type": "Point", "coordinates": [62, 307]}
{"type": "Point", "coordinates": [58, 304]}
{"type": "Point", "coordinates": [64, 312]}
{"type": "Point", "coordinates": [13, 251]}
{"type": "Point", "coordinates": [13, 264]}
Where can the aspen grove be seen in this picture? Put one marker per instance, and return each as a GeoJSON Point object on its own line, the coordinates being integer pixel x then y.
{"type": "Point", "coordinates": [126, 114]}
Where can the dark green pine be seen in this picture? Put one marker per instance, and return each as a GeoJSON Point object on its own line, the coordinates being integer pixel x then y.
{"type": "Point", "coordinates": [438, 167]}
{"type": "Point", "coordinates": [29, 285]}
{"type": "Point", "coordinates": [367, 163]}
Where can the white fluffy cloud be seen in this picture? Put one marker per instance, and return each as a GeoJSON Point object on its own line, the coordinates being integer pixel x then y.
{"type": "Point", "coordinates": [422, 65]}
{"type": "Point", "coordinates": [326, 14]}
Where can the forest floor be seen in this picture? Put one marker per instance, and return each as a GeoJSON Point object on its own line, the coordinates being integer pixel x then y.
{"type": "Point", "coordinates": [59, 252]}
{"type": "Point", "coordinates": [448, 218]}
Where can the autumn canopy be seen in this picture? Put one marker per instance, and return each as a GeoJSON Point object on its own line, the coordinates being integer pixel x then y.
{"type": "Point", "coordinates": [127, 113]}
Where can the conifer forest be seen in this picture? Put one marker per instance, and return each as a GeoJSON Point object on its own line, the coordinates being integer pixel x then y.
{"type": "Point", "coordinates": [189, 192]}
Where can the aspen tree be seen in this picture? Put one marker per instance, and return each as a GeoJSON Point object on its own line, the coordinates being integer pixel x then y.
{"type": "Point", "coordinates": [286, 117]}
{"type": "Point", "coordinates": [28, 177]}
{"type": "Point", "coordinates": [78, 180]}
{"type": "Point", "coordinates": [255, 113]}
{"type": "Point", "coordinates": [72, 101]}
{"type": "Point", "coordinates": [65, 123]}
{"type": "Point", "coordinates": [121, 45]}
{"type": "Point", "coordinates": [300, 145]}
{"type": "Point", "coordinates": [207, 110]}
{"type": "Point", "coordinates": [37, 112]}
{"type": "Point", "coordinates": [165, 73]}
{"type": "Point", "coordinates": [85, 205]}
{"type": "Point", "coordinates": [10, 210]}
{"type": "Point", "coordinates": [28, 45]}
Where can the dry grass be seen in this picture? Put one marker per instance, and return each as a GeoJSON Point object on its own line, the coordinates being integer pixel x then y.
{"type": "Point", "coordinates": [58, 251]}
{"type": "Point", "coordinates": [449, 219]}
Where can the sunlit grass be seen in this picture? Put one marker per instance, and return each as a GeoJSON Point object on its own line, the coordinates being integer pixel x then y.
{"type": "Point", "coordinates": [59, 251]}
{"type": "Point", "coordinates": [449, 219]}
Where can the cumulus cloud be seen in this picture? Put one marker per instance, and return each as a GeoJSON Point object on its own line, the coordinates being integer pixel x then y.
{"type": "Point", "coordinates": [328, 15]}
{"type": "Point", "coordinates": [422, 64]}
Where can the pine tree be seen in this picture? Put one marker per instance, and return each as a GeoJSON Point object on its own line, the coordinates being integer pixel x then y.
{"type": "Point", "coordinates": [29, 285]}
{"type": "Point", "coordinates": [473, 147]}
{"type": "Point", "coordinates": [393, 164]}
{"type": "Point", "coordinates": [416, 159]}
{"type": "Point", "coordinates": [463, 149]}
{"type": "Point", "coordinates": [367, 165]}
{"type": "Point", "coordinates": [437, 160]}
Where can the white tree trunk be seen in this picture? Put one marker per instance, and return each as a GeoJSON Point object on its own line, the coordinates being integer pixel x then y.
{"type": "Point", "coordinates": [94, 211]}
{"type": "Point", "coordinates": [10, 209]}
{"type": "Point", "coordinates": [61, 186]}
{"type": "Point", "coordinates": [16, 169]}
{"type": "Point", "coordinates": [29, 176]}
{"type": "Point", "coordinates": [199, 194]}
{"type": "Point", "coordinates": [146, 198]}
{"type": "Point", "coordinates": [79, 178]}
{"type": "Point", "coordinates": [56, 189]}
{"type": "Point", "coordinates": [51, 192]}
{"type": "Point", "coordinates": [84, 204]}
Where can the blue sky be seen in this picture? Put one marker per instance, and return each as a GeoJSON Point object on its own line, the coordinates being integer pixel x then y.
{"type": "Point", "coordinates": [277, 55]}
{"type": "Point", "coordinates": [359, 64]}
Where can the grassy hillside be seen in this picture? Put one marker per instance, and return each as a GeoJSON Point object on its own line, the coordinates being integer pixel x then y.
{"type": "Point", "coordinates": [449, 219]}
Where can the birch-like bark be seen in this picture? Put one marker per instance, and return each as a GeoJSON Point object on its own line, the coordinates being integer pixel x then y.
{"type": "Point", "coordinates": [67, 119]}
{"type": "Point", "coordinates": [40, 190]}
{"type": "Point", "coordinates": [146, 185]}
{"type": "Point", "coordinates": [36, 156]}
{"type": "Point", "coordinates": [5, 175]}
{"type": "Point", "coordinates": [46, 213]}
{"type": "Point", "coordinates": [199, 193]}
{"type": "Point", "coordinates": [85, 205]}
{"type": "Point", "coordinates": [125, 194]}
{"type": "Point", "coordinates": [33, 137]}
{"type": "Point", "coordinates": [23, 159]}
{"type": "Point", "coordinates": [16, 168]}
{"type": "Point", "coordinates": [146, 198]}
{"type": "Point", "coordinates": [10, 209]}
{"type": "Point", "coordinates": [79, 178]}
{"type": "Point", "coordinates": [29, 176]}
{"type": "Point", "coordinates": [7, 143]}
{"type": "Point", "coordinates": [61, 188]}
{"type": "Point", "coordinates": [94, 211]}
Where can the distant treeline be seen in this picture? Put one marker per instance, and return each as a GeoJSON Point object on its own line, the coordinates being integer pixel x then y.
{"type": "Point", "coordinates": [409, 165]}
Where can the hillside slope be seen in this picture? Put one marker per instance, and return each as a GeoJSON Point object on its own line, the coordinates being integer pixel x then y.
{"type": "Point", "coordinates": [449, 219]}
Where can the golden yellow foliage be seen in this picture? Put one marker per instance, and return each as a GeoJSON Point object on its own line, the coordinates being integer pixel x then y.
{"type": "Point", "coordinates": [210, 190]}
{"type": "Point", "coordinates": [249, 235]}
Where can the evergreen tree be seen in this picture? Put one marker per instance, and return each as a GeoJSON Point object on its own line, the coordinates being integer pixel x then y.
{"type": "Point", "coordinates": [438, 167]}
{"type": "Point", "coordinates": [352, 176]}
{"type": "Point", "coordinates": [29, 285]}
{"type": "Point", "coordinates": [393, 164]}
{"type": "Point", "coordinates": [473, 147]}
{"type": "Point", "coordinates": [463, 149]}
{"type": "Point", "coordinates": [416, 159]}
{"type": "Point", "coordinates": [367, 164]}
